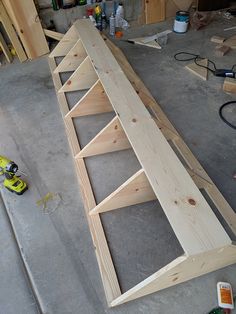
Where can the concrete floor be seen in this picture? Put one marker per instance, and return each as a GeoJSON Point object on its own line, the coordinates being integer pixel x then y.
{"type": "Point", "coordinates": [57, 271]}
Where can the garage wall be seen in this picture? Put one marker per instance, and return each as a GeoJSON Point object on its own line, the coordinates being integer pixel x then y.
{"type": "Point", "coordinates": [65, 17]}
{"type": "Point", "coordinates": [133, 12]}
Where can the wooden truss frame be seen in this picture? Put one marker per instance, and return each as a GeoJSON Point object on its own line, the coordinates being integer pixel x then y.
{"type": "Point", "coordinates": [99, 66]}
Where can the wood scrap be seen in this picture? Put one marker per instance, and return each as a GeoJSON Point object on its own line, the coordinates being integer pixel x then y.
{"type": "Point", "coordinates": [217, 39]}
{"type": "Point", "coordinates": [229, 28]}
{"type": "Point", "coordinates": [5, 49]}
{"type": "Point", "coordinates": [139, 41]}
{"type": "Point", "coordinates": [222, 50]}
{"type": "Point", "coordinates": [150, 41]}
{"type": "Point", "coordinates": [231, 42]}
{"type": "Point", "coordinates": [156, 36]}
{"type": "Point", "coordinates": [230, 85]}
{"type": "Point", "coordinates": [197, 70]}
{"type": "Point", "coordinates": [52, 34]}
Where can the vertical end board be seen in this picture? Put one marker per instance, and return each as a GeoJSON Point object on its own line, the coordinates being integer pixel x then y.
{"type": "Point", "coordinates": [27, 23]}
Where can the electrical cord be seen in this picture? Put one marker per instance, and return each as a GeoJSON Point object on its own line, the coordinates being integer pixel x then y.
{"type": "Point", "coordinates": [213, 69]}
{"type": "Point", "coordinates": [195, 58]}
{"type": "Point", "coordinates": [221, 114]}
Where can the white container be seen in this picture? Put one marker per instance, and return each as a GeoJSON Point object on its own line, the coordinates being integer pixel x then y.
{"type": "Point", "coordinates": [119, 14]}
{"type": "Point", "coordinates": [225, 295]}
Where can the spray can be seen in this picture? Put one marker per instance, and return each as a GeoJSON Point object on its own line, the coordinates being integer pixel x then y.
{"type": "Point", "coordinates": [112, 22]}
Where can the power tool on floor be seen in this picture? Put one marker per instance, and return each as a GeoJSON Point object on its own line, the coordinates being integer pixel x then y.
{"type": "Point", "coordinates": [12, 182]}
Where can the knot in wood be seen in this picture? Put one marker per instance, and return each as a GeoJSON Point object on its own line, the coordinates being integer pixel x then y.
{"type": "Point", "coordinates": [192, 201]}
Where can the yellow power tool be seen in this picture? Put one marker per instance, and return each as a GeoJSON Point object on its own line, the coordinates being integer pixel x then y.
{"type": "Point", "coordinates": [13, 183]}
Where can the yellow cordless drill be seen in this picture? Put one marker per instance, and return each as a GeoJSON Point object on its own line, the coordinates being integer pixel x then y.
{"type": "Point", "coordinates": [11, 182]}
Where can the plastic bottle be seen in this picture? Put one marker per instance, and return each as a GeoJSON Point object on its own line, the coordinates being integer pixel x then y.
{"type": "Point", "coordinates": [119, 14]}
{"type": "Point", "coordinates": [112, 22]}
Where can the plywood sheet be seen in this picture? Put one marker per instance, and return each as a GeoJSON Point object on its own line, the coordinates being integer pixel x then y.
{"type": "Point", "coordinates": [154, 11]}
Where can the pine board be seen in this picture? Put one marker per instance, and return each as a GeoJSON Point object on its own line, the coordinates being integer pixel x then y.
{"type": "Point", "coordinates": [27, 24]}
{"type": "Point", "coordinates": [190, 216]}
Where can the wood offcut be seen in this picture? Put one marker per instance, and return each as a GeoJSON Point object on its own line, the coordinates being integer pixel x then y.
{"type": "Point", "coordinates": [198, 70]}
{"type": "Point", "coordinates": [230, 85]}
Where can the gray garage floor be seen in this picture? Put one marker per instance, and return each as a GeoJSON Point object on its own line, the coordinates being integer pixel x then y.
{"type": "Point", "coordinates": [49, 266]}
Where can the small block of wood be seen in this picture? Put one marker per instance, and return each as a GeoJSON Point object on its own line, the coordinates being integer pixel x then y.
{"type": "Point", "coordinates": [229, 85]}
{"type": "Point", "coordinates": [52, 34]}
{"type": "Point", "coordinates": [201, 72]}
{"type": "Point", "coordinates": [231, 42]}
{"type": "Point", "coordinates": [217, 39]}
{"type": "Point", "coordinates": [222, 50]}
